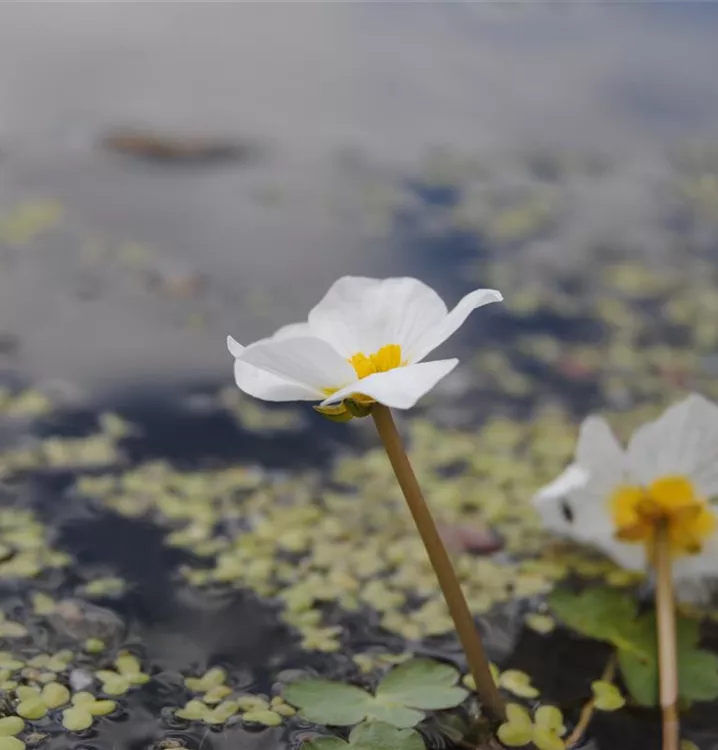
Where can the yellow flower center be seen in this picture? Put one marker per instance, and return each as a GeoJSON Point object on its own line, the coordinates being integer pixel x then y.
{"type": "Point", "coordinates": [387, 358]}
{"type": "Point", "coordinates": [672, 500]}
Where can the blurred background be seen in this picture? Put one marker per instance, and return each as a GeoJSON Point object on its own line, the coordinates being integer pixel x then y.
{"type": "Point", "coordinates": [171, 173]}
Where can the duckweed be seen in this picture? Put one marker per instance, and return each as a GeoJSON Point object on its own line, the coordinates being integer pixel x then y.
{"type": "Point", "coordinates": [11, 725]}
{"type": "Point", "coordinates": [76, 719]}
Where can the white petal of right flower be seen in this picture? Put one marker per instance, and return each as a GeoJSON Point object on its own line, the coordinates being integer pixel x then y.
{"type": "Point", "coordinates": [682, 441]}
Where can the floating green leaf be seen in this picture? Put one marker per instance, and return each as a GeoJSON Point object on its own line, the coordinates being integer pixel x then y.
{"type": "Point", "coordinates": [518, 729]}
{"type": "Point", "coordinates": [11, 743]}
{"type": "Point", "coordinates": [401, 698]}
{"type": "Point", "coordinates": [76, 719]}
{"type": "Point", "coordinates": [370, 735]}
{"type": "Point", "coordinates": [267, 718]}
{"type": "Point", "coordinates": [11, 725]}
{"type": "Point", "coordinates": [422, 684]}
{"type": "Point", "coordinates": [540, 623]}
{"type": "Point", "coordinates": [545, 729]}
{"type": "Point", "coordinates": [210, 679]}
{"type": "Point", "coordinates": [518, 683]}
{"type": "Point", "coordinates": [55, 695]}
{"type": "Point", "coordinates": [32, 708]}
{"type": "Point", "coordinates": [194, 710]}
{"type": "Point", "coordinates": [330, 703]}
{"type": "Point", "coordinates": [606, 696]}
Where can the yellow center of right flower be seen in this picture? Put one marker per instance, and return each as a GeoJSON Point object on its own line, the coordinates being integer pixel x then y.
{"type": "Point", "coordinates": [671, 500]}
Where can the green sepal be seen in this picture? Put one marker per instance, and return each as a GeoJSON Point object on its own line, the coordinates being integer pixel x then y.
{"type": "Point", "coordinates": [357, 409]}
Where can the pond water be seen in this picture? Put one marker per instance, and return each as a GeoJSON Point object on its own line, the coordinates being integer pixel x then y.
{"type": "Point", "coordinates": [170, 174]}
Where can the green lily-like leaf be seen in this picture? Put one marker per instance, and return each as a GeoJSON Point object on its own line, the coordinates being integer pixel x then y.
{"type": "Point", "coordinates": [370, 735]}
{"type": "Point", "coordinates": [422, 684]}
{"type": "Point", "coordinates": [400, 700]}
{"type": "Point", "coordinates": [326, 702]}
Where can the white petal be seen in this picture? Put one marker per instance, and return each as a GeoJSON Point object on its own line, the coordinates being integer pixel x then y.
{"type": "Point", "coordinates": [553, 504]}
{"type": "Point", "coordinates": [269, 387]}
{"type": "Point", "coordinates": [573, 506]}
{"type": "Point", "coordinates": [400, 388]}
{"type": "Point", "coordinates": [451, 322]}
{"type": "Point", "coordinates": [309, 362]}
{"type": "Point", "coordinates": [703, 565]}
{"type": "Point", "coordinates": [597, 448]}
{"type": "Point", "coordinates": [360, 314]}
{"type": "Point", "coordinates": [264, 385]}
{"type": "Point", "coordinates": [684, 441]}
{"type": "Point", "coordinates": [293, 330]}
{"type": "Point", "coordinates": [235, 348]}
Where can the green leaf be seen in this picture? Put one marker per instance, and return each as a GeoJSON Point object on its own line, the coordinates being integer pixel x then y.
{"type": "Point", "coordinates": [697, 669]}
{"type": "Point", "coordinates": [640, 673]}
{"type": "Point", "coordinates": [424, 684]}
{"type": "Point", "coordinates": [325, 743]}
{"type": "Point", "coordinates": [370, 735]}
{"type": "Point", "coordinates": [389, 712]}
{"type": "Point", "coordinates": [375, 735]}
{"type": "Point", "coordinates": [408, 688]}
{"type": "Point", "coordinates": [326, 702]}
{"type": "Point", "coordinates": [698, 675]}
{"type": "Point", "coordinates": [601, 613]}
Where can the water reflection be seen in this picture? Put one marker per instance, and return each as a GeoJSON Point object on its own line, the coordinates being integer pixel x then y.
{"type": "Point", "coordinates": [310, 85]}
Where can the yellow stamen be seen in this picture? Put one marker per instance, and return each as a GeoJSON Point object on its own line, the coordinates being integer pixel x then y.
{"type": "Point", "coordinates": [671, 500]}
{"type": "Point", "coordinates": [387, 358]}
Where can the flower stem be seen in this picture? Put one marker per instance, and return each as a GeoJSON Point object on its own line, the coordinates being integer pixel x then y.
{"type": "Point", "coordinates": [440, 561]}
{"type": "Point", "coordinates": [666, 629]}
{"type": "Point", "coordinates": [589, 708]}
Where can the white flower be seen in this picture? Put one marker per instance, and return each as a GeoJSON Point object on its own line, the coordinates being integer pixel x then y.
{"type": "Point", "coordinates": [615, 498]}
{"type": "Point", "coordinates": [365, 340]}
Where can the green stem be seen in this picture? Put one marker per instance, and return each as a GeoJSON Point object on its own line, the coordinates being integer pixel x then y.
{"type": "Point", "coordinates": [440, 561]}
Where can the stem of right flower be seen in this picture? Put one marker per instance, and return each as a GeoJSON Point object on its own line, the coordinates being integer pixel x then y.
{"type": "Point", "coordinates": [440, 561]}
{"type": "Point", "coordinates": [666, 630]}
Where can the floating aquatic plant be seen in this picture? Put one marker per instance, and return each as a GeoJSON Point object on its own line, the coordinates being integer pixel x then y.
{"type": "Point", "coordinates": [373, 735]}
{"type": "Point", "coordinates": [544, 729]}
{"type": "Point", "coordinates": [400, 699]}
{"type": "Point", "coordinates": [128, 674]}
